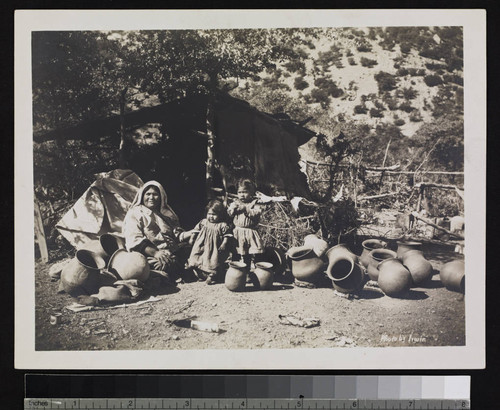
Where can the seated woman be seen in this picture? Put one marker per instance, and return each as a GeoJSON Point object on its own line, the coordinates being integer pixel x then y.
{"type": "Point", "coordinates": [152, 228]}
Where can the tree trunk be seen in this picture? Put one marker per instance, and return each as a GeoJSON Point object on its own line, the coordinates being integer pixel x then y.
{"type": "Point", "coordinates": [210, 147]}
{"type": "Point", "coordinates": [122, 155]}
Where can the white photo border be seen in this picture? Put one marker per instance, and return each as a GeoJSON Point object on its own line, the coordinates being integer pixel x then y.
{"type": "Point", "coordinates": [470, 356]}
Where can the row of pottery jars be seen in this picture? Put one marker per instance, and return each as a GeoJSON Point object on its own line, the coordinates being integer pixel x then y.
{"type": "Point", "coordinates": [344, 269]}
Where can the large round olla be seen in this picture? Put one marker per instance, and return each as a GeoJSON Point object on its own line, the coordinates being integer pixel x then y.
{"type": "Point", "coordinates": [374, 258]}
{"type": "Point", "coordinates": [129, 265]}
{"type": "Point", "coordinates": [452, 275]}
{"type": "Point", "coordinates": [393, 279]}
{"type": "Point", "coordinates": [419, 267]}
{"type": "Point", "coordinates": [81, 275]}
{"type": "Point", "coordinates": [405, 246]}
{"type": "Point", "coordinates": [368, 246]}
{"type": "Point", "coordinates": [305, 264]}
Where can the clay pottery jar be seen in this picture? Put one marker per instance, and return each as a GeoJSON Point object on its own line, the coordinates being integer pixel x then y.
{"type": "Point", "coordinates": [340, 262]}
{"type": "Point", "coordinates": [276, 257]}
{"type": "Point", "coordinates": [81, 275]}
{"type": "Point", "coordinates": [105, 246]}
{"type": "Point", "coordinates": [375, 257]}
{"type": "Point", "coordinates": [419, 267]}
{"type": "Point", "coordinates": [368, 246]}
{"type": "Point", "coordinates": [129, 265]}
{"type": "Point", "coordinates": [393, 279]}
{"type": "Point", "coordinates": [265, 275]}
{"type": "Point", "coordinates": [339, 253]}
{"type": "Point", "coordinates": [319, 246]}
{"type": "Point", "coordinates": [452, 275]}
{"type": "Point", "coordinates": [404, 246]}
{"type": "Point", "coordinates": [305, 264]}
{"type": "Point", "coordinates": [236, 276]}
{"type": "Point", "coordinates": [350, 276]}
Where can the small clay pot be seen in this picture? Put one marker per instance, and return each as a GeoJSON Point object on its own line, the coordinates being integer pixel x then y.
{"type": "Point", "coordinates": [419, 267]}
{"type": "Point", "coordinates": [305, 264]}
{"type": "Point", "coordinates": [375, 257]}
{"type": "Point", "coordinates": [236, 276]}
{"type": "Point", "coordinates": [405, 246]}
{"type": "Point", "coordinates": [265, 275]}
{"type": "Point", "coordinates": [452, 275]}
{"type": "Point", "coordinates": [393, 279]}
{"type": "Point", "coordinates": [368, 246]}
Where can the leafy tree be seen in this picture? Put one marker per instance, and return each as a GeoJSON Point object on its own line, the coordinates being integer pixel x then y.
{"type": "Point", "coordinates": [300, 84]}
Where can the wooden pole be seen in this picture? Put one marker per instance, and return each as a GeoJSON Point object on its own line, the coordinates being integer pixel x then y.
{"type": "Point", "coordinates": [420, 194]}
{"type": "Point", "coordinates": [122, 157]}
{"type": "Point", "coordinates": [428, 222]}
{"type": "Point", "coordinates": [40, 234]}
{"type": "Point", "coordinates": [210, 121]}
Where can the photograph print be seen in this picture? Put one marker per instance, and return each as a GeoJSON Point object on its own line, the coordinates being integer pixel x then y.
{"type": "Point", "coordinates": [228, 197]}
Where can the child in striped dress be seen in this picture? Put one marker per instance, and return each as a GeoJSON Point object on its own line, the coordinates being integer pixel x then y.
{"type": "Point", "coordinates": [246, 215]}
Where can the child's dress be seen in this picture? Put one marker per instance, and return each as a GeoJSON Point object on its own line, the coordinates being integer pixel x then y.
{"type": "Point", "coordinates": [205, 254]}
{"type": "Point", "coordinates": [245, 227]}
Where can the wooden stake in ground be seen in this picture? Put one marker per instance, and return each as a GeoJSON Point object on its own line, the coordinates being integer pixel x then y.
{"type": "Point", "coordinates": [210, 147]}
{"type": "Point", "coordinates": [40, 234]}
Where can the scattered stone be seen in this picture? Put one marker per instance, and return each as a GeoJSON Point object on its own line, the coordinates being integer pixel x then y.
{"type": "Point", "coordinates": [175, 337]}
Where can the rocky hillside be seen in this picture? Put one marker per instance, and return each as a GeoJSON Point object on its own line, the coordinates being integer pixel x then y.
{"type": "Point", "coordinates": [390, 77]}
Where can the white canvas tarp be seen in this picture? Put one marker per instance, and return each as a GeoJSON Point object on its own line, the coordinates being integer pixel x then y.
{"type": "Point", "coordinates": [101, 208]}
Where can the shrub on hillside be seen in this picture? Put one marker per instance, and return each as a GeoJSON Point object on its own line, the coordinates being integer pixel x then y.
{"type": "Point", "coordinates": [409, 93]}
{"type": "Point", "coordinates": [406, 107]}
{"type": "Point", "coordinates": [295, 66]}
{"type": "Point", "coordinates": [360, 109]}
{"type": "Point", "coordinates": [402, 72]}
{"type": "Point", "coordinates": [351, 61]}
{"type": "Point", "coordinates": [385, 81]}
{"type": "Point", "coordinates": [416, 72]}
{"type": "Point", "coordinates": [364, 47]}
{"type": "Point", "coordinates": [435, 66]}
{"type": "Point", "coordinates": [367, 62]}
{"type": "Point", "coordinates": [375, 113]}
{"type": "Point", "coordinates": [349, 53]}
{"type": "Point", "coordinates": [415, 116]}
{"type": "Point", "coordinates": [300, 84]}
{"type": "Point", "coordinates": [405, 48]}
{"type": "Point", "coordinates": [379, 105]}
{"type": "Point", "coordinates": [453, 78]}
{"type": "Point", "coordinates": [329, 86]}
{"type": "Point", "coordinates": [432, 80]}
{"type": "Point", "coordinates": [399, 122]}
{"type": "Point", "coordinates": [390, 101]}
{"type": "Point", "coordinates": [320, 96]}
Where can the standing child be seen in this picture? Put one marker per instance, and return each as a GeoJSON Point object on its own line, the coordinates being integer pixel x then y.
{"type": "Point", "coordinates": [246, 215]}
{"type": "Point", "coordinates": [210, 246]}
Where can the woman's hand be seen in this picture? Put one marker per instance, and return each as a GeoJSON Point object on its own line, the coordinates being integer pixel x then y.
{"type": "Point", "coordinates": [162, 258]}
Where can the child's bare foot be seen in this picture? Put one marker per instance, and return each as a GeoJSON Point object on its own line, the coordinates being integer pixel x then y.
{"type": "Point", "coordinates": [211, 280]}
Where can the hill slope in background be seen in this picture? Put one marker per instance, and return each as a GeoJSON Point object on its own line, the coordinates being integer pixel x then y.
{"type": "Point", "coordinates": [397, 78]}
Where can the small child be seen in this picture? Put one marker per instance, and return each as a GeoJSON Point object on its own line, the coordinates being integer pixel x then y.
{"type": "Point", "coordinates": [246, 215]}
{"type": "Point", "coordinates": [210, 245]}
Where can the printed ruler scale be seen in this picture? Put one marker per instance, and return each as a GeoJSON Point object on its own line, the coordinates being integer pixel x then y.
{"type": "Point", "coordinates": [244, 403]}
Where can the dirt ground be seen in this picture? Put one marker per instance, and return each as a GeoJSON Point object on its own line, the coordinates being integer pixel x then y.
{"type": "Point", "coordinates": [430, 316]}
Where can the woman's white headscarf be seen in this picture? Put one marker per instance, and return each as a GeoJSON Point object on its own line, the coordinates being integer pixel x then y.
{"type": "Point", "coordinates": [165, 209]}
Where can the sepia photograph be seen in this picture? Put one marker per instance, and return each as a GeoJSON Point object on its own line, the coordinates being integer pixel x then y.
{"type": "Point", "coordinates": [273, 196]}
